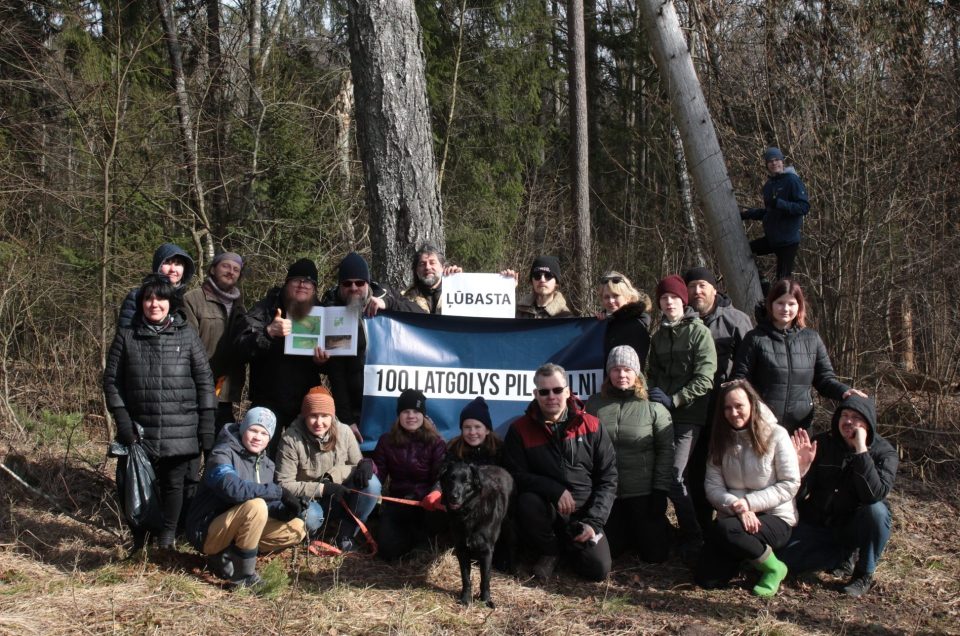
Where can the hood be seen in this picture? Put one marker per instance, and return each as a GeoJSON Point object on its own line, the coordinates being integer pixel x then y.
{"type": "Point", "coordinates": [168, 250]}
{"type": "Point", "coordinates": [865, 407]}
{"type": "Point", "coordinates": [722, 300]}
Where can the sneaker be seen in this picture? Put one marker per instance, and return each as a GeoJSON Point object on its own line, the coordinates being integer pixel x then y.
{"type": "Point", "coordinates": [859, 585]}
{"type": "Point", "coordinates": [543, 570]}
{"type": "Point", "coordinates": [845, 569]}
{"type": "Point", "coordinates": [252, 582]}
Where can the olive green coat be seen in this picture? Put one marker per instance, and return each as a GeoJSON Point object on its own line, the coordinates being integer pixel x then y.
{"type": "Point", "coordinates": [682, 362]}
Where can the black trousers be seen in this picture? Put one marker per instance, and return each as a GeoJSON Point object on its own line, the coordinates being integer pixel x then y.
{"type": "Point", "coordinates": [786, 255]}
{"type": "Point", "coordinates": [542, 529]}
{"type": "Point", "coordinates": [727, 544]}
{"type": "Point", "coordinates": [633, 526]}
{"type": "Point", "coordinates": [171, 479]}
{"type": "Point", "coordinates": [401, 528]}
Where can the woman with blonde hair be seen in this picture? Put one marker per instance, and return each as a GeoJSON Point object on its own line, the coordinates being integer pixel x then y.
{"type": "Point", "coordinates": [627, 312]}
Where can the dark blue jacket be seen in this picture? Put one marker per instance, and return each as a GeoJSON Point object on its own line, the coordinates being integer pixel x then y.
{"type": "Point", "coordinates": [165, 251]}
{"type": "Point", "coordinates": [232, 476]}
{"type": "Point", "coordinates": [785, 204]}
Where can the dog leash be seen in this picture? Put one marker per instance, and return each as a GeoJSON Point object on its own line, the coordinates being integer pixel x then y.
{"type": "Point", "coordinates": [321, 548]}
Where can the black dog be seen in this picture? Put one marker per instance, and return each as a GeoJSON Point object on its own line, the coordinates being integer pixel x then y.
{"type": "Point", "coordinates": [477, 498]}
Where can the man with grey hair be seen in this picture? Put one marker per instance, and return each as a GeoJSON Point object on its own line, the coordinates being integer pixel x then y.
{"type": "Point", "coordinates": [429, 268]}
{"type": "Point", "coordinates": [565, 468]}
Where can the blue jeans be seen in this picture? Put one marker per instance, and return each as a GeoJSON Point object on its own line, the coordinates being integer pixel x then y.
{"type": "Point", "coordinates": [813, 548]}
{"type": "Point", "coordinates": [361, 506]}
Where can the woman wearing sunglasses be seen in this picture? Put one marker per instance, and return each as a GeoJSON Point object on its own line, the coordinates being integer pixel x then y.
{"type": "Point", "coordinates": [627, 312]}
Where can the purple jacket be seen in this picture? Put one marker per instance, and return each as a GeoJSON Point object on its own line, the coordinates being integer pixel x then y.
{"type": "Point", "coordinates": [412, 468]}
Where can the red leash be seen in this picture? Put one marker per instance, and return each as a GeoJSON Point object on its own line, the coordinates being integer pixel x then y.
{"type": "Point", "coordinates": [320, 548]}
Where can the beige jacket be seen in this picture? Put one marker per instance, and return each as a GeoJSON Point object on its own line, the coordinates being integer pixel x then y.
{"type": "Point", "coordinates": [768, 483]}
{"type": "Point", "coordinates": [301, 463]}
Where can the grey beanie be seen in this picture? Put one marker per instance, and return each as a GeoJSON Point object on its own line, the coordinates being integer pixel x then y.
{"type": "Point", "coordinates": [772, 153]}
{"type": "Point", "coordinates": [259, 416]}
{"type": "Point", "coordinates": [624, 356]}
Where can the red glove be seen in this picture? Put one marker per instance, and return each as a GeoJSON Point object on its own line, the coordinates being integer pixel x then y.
{"type": "Point", "coordinates": [431, 502]}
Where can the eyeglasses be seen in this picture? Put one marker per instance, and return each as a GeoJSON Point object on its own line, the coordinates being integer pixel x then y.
{"type": "Point", "coordinates": [353, 283]}
{"type": "Point", "coordinates": [541, 276]}
{"type": "Point", "coordinates": [302, 281]}
{"type": "Point", "coordinates": [557, 390]}
{"type": "Point", "coordinates": [612, 279]}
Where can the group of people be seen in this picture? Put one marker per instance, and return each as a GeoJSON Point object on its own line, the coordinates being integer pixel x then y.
{"type": "Point", "coordinates": [704, 411]}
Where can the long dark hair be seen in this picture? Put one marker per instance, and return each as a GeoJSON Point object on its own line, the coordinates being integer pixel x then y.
{"type": "Point", "coordinates": [399, 436]}
{"type": "Point", "coordinates": [722, 435]}
{"type": "Point", "coordinates": [788, 286]}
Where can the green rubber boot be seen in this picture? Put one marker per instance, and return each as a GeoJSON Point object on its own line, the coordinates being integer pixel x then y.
{"type": "Point", "coordinates": [772, 572]}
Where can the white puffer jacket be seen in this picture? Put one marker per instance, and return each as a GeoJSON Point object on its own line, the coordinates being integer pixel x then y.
{"type": "Point", "coordinates": [768, 483]}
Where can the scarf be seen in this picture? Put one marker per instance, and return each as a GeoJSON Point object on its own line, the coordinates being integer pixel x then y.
{"type": "Point", "coordinates": [226, 298]}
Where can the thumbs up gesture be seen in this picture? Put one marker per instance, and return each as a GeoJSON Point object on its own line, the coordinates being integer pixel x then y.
{"type": "Point", "coordinates": [280, 327]}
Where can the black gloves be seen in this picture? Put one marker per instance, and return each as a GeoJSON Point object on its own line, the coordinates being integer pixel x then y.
{"type": "Point", "coordinates": [657, 395]}
{"type": "Point", "coordinates": [205, 428]}
{"type": "Point", "coordinates": [658, 504]}
{"type": "Point", "coordinates": [360, 477]}
{"type": "Point", "coordinates": [125, 432]}
{"type": "Point", "coordinates": [333, 489]}
{"type": "Point", "coordinates": [292, 507]}
{"type": "Point", "coordinates": [773, 203]}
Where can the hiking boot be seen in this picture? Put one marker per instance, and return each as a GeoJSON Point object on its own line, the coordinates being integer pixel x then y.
{"type": "Point", "coordinates": [859, 585]}
{"type": "Point", "coordinates": [245, 569]}
{"type": "Point", "coordinates": [845, 569]}
{"type": "Point", "coordinates": [221, 564]}
{"type": "Point", "coordinates": [346, 544]}
{"type": "Point", "coordinates": [543, 570]}
{"type": "Point", "coordinates": [167, 541]}
{"type": "Point", "coordinates": [772, 572]}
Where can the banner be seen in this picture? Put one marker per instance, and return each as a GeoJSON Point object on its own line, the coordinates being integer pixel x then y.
{"type": "Point", "coordinates": [453, 360]}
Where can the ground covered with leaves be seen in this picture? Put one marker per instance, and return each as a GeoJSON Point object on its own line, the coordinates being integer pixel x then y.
{"type": "Point", "coordinates": [64, 575]}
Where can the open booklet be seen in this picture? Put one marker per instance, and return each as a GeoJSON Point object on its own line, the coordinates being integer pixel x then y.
{"type": "Point", "coordinates": [333, 329]}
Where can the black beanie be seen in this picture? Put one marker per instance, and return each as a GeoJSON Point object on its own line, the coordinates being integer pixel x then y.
{"type": "Point", "coordinates": [412, 399]}
{"type": "Point", "coordinates": [477, 410]}
{"type": "Point", "coordinates": [305, 268]}
{"type": "Point", "coordinates": [699, 273]}
{"type": "Point", "coordinates": [546, 264]}
{"type": "Point", "coordinates": [353, 267]}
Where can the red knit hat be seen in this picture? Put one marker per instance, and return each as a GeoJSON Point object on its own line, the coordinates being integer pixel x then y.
{"type": "Point", "coordinates": [318, 400]}
{"type": "Point", "coordinates": [673, 284]}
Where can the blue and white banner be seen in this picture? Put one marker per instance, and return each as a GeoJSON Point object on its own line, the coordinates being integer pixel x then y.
{"type": "Point", "coordinates": [453, 360]}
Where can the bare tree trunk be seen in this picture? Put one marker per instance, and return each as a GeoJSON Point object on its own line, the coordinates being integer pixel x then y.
{"type": "Point", "coordinates": [686, 196]}
{"type": "Point", "coordinates": [394, 133]}
{"type": "Point", "coordinates": [203, 239]}
{"type": "Point", "coordinates": [702, 148]}
{"type": "Point", "coordinates": [579, 148]}
{"type": "Point", "coordinates": [343, 111]}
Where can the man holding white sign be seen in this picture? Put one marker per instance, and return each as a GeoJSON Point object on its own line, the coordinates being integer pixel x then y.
{"type": "Point", "coordinates": [429, 268]}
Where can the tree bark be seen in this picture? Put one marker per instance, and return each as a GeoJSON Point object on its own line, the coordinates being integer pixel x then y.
{"type": "Point", "coordinates": [703, 152]}
{"type": "Point", "coordinates": [579, 148]}
{"type": "Point", "coordinates": [686, 196]}
{"type": "Point", "coordinates": [394, 133]}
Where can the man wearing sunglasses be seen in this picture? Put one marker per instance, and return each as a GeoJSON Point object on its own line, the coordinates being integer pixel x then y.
{"type": "Point", "coordinates": [545, 299]}
{"type": "Point", "coordinates": [354, 289]}
{"type": "Point", "coordinates": [565, 468]}
{"type": "Point", "coordinates": [278, 381]}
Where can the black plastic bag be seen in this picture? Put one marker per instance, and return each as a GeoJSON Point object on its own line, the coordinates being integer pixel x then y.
{"type": "Point", "coordinates": [137, 487]}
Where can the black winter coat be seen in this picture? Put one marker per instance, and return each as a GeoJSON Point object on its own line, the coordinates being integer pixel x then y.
{"type": "Point", "coordinates": [629, 325]}
{"type": "Point", "coordinates": [783, 365]}
{"type": "Point", "coordinates": [161, 380]}
{"type": "Point", "coordinates": [839, 480]}
{"type": "Point", "coordinates": [277, 381]}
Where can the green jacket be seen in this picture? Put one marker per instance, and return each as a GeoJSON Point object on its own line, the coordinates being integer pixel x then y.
{"type": "Point", "coordinates": [682, 362]}
{"type": "Point", "coordinates": [642, 435]}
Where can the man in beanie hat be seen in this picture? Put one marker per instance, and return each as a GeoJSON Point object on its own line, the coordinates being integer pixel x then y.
{"type": "Point", "coordinates": [173, 262]}
{"type": "Point", "coordinates": [319, 460]}
{"type": "Point", "coordinates": [212, 310]}
{"type": "Point", "coordinates": [785, 203]}
{"type": "Point", "coordinates": [279, 381]}
{"type": "Point", "coordinates": [429, 268]}
{"type": "Point", "coordinates": [728, 326]}
{"type": "Point", "coordinates": [545, 300]}
{"type": "Point", "coordinates": [682, 363]}
{"type": "Point", "coordinates": [355, 289]}
{"type": "Point", "coordinates": [239, 511]}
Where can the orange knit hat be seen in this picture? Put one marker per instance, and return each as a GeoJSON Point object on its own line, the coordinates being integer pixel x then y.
{"type": "Point", "coordinates": [318, 400]}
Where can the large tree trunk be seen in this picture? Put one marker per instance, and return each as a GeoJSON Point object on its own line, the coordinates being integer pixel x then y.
{"type": "Point", "coordinates": [394, 134]}
{"type": "Point", "coordinates": [702, 148]}
{"type": "Point", "coordinates": [579, 149]}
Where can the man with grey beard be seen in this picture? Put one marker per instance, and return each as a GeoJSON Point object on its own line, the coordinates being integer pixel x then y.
{"type": "Point", "coordinates": [355, 289]}
{"type": "Point", "coordinates": [279, 381]}
{"type": "Point", "coordinates": [429, 268]}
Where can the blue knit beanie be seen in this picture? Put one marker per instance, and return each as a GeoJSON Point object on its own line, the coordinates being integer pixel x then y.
{"type": "Point", "coordinates": [477, 409]}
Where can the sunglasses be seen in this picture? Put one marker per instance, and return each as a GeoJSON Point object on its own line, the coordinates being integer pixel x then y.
{"type": "Point", "coordinates": [353, 283]}
{"type": "Point", "coordinates": [557, 390]}
{"type": "Point", "coordinates": [541, 276]}
{"type": "Point", "coordinates": [612, 279]}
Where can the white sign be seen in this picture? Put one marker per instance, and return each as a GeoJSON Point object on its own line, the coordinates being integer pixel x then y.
{"type": "Point", "coordinates": [333, 329]}
{"type": "Point", "coordinates": [479, 296]}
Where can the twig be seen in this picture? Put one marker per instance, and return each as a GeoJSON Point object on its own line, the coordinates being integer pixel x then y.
{"type": "Point", "coordinates": [56, 505]}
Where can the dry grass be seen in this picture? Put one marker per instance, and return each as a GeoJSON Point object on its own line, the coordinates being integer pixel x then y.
{"type": "Point", "coordinates": [58, 576]}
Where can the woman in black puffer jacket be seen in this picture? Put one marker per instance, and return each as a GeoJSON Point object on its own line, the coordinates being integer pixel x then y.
{"type": "Point", "coordinates": [784, 359]}
{"type": "Point", "coordinates": [627, 311]}
{"type": "Point", "coordinates": [158, 376]}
